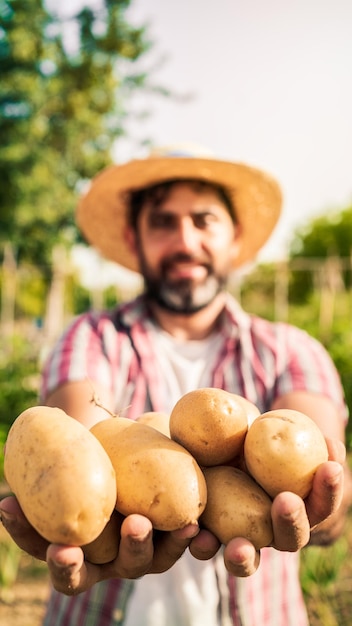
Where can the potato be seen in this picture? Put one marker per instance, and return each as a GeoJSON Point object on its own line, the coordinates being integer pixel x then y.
{"type": "Point", "coordinates": [211, 423]}
{"type": "Point", "coordinates": [61, 475]}
{"type": "Point", "coordinates": [155, 476]}
{"type": "Point", "coordinates": [251, 409]}
{"type": "Point", "coordinates": [236, 507]}
{"type": "Point", "coordinates": [106, 546]}
{"type": "Point", "coordinates": [157, 420]}
{"type": "Point", "coordinates": [283, 449]}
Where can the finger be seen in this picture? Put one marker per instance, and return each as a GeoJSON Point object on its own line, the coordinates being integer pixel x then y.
{"type": "Point", "coordinates": [241, 558]}
{"type": "Point", "coordinates": [170, 546]}
{"type": "Point", "coordinates": [136, 549]}
{"type": "Point", "coordinates": [70, 574]}
{"type": "Point", "coordinates": [291, 527]}
{"type": "Point", "coordinates": [337, 450]}
{"type": "Point", "coordinates": [327, 492]}
{"type": "Point", "coordinates": [204, 546]}
{"type": "Point", "coordinates": [20, 529]}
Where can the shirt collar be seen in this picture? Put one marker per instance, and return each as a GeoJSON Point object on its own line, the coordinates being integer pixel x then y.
{"type": "Point", "coordinates": [233, 316]}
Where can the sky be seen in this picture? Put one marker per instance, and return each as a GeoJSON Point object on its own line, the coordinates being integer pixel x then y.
{"type": "Point", "coordinates": [265, 82]}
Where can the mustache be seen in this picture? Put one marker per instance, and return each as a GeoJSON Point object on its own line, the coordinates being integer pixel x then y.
{"type": "Point", "coordinates": [182, 257]}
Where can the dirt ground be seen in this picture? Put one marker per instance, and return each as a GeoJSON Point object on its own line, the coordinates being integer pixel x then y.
{"type": "Point", "coordinates": [24, 605]}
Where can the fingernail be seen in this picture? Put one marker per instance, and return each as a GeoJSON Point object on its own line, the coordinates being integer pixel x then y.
{"type": "Point", "coordinates": [138, 538]}
{"type": "Point", "coordinates": [5, 516]}
{"type": "Point", "coordinates": [188, 532]}
{"type": "Point", "coordinates": [336, 476]}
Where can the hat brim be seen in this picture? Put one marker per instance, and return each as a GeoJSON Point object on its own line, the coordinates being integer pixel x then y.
{"type": "Point", "coordinates": [102, 211]}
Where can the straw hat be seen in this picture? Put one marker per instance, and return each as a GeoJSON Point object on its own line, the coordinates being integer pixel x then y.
{"type": "Point", "coordinates": [102, 212]}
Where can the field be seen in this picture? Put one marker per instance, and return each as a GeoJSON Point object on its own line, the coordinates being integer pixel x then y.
{"type": "Point", "coordinates": [23, 604]}
{"type": "Point", "coordinates": [326, 576]}
{"type": "Point", "coordinates": [326, 579]}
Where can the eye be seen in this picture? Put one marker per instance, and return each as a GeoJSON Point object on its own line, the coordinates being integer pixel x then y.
{"type": "Point", "coordinates": [161, 220]}
{"type": "Point", "coordinates": [204, 220]}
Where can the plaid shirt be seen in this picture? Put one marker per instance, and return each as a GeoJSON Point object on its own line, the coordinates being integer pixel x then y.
{"type": "Point", "coordinates": [259, 360]}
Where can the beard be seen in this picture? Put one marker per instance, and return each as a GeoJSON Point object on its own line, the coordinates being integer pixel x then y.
{"type": "Point", "coordinates": [183, 296]}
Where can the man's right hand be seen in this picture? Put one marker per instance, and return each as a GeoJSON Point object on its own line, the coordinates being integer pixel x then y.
{"type": "Point", "coordinates": [71, 574]}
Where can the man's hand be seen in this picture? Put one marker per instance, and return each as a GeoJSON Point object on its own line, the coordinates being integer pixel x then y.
{"type": "Point", "coordinates": [71, 574]}
{"type": "Point", "coordinates": [295, 522]}
{"type": "Point", "coordinates": [143, 551]}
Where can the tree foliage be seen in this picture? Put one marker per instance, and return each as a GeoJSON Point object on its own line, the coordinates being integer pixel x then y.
{"type": "Point", "coordinates": [329, 235]}
{"type": "Point", "coordinates": [61, 109]}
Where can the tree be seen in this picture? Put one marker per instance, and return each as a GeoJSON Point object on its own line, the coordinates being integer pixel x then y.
{"type": "Point", "coordinates": [329, 235]}
{"type": "Point", "coordinates": [60, 113]}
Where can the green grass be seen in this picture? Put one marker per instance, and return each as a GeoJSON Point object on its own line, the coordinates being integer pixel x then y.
{"type": "Point", "coordinates": [326, 576]}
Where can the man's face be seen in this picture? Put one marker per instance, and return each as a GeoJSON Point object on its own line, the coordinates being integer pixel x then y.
{"type": "Point", "coordinates": [185, 245]}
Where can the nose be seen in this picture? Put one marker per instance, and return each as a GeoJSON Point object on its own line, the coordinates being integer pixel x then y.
{"type": "Point", "coordinates": [187, 235]}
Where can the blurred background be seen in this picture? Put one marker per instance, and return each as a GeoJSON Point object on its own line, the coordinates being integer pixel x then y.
{"type": "Point", "coordinates": [85, 84]}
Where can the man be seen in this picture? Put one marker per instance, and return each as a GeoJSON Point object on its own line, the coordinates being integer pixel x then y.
{"type": "Point", "coordinates": [185, 222]}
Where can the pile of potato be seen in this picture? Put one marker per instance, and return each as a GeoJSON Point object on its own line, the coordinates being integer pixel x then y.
{"type": "Point", "coordinates": [202, 463]}
{"type": "Point", "coordinates": [247, 458]}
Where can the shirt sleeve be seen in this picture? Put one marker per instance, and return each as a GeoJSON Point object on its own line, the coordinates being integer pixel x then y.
{"type": "Point", "coordinates": [78, 355]}
{"type": "Point", "coordinates": [305, 365]}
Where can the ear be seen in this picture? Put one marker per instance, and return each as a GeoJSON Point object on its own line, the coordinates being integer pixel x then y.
{"type": "Point", "coordinates": [236, 244]}
{"type": "Point", "coordinates": [131, 239]}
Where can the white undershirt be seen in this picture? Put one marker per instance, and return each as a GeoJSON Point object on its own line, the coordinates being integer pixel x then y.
{"type": "Point", "coordinates": [186, 365]}
{"type": "Point", "coordinates": [187, 594]}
